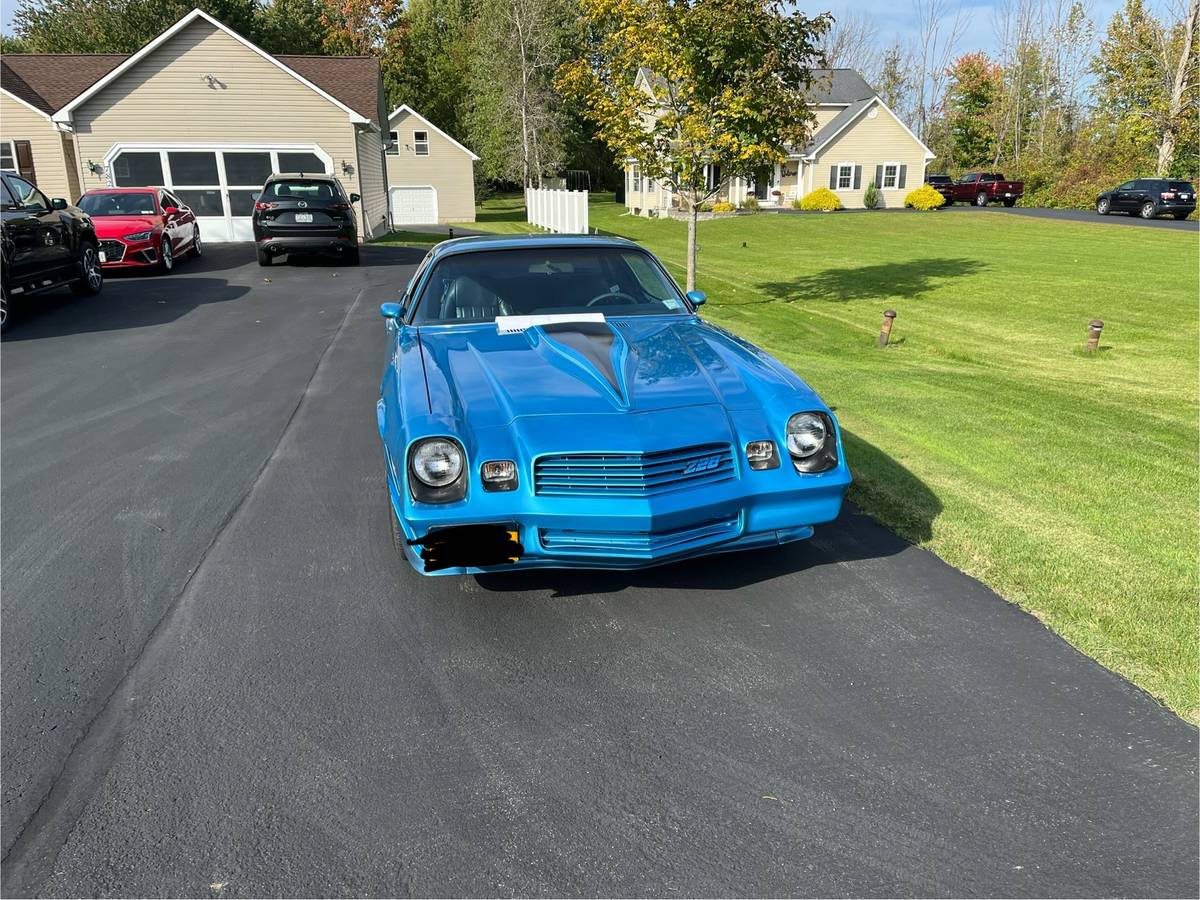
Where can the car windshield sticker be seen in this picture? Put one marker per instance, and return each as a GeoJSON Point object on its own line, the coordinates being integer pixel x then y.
{"type": "Point", "coordinates": [672, 303]}
{"type": "Point", "coordinates": [515, 324]}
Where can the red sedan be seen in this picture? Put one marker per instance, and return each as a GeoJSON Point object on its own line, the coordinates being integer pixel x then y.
{"type": "Point", "coordinates": [141, 227]}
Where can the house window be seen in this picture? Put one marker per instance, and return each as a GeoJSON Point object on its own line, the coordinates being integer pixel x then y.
{"type": "Point", "coordinates": [712, 177]}
{"type": "Point", "coordinates": [891, 171]}
{"type": "Point", "coordinates": [421, 143]}
{"type": "Point", "coordinates": [637, 180]}
{"type": "Point", "coordinates": [393, 144]}
{"type": "Point", "coordinates": [845, 176]}
{"type": "Point", "coordinates": [8, 157]}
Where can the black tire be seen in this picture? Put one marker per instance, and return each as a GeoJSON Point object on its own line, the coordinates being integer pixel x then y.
{"type": "Point", "coordinates": [981, 199]}
{"type": "Point", "coordinates": [166, 256]}
{"type": "Point", "coordinates": [398, 539]}
{"type": "Point", "coordinates": [1147, 211]}
{"type": "Point", "coordinates": [1103, 206]}
{"type": "Point", "coordinates": [1179, 217]}
{"type": "Point", "coordinates": [1010, 203]}
{"type": "Point", "coordinates": [197, 248]}
{"type": "Point", "coordinates": [91, 276]}
{"type": "Point", "coordinates": [351, 257]}
{"type": "Point", "coordinates": [264, 258]}
{"type": "Point", "coordinates": [3, 308]}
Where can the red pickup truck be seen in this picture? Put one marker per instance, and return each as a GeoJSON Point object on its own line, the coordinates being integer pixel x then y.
{"type": "Point", "coordinates": [982, 188]}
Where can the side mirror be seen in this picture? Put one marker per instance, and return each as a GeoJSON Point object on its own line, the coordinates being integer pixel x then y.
{"type": "Point", "coordinates": [697, 298]}
{"type": "Point", "coordinates": [392, 311]}
{"type": "Point", "coordinates": [354, 198]}
{"type": "Point", "coordinates": [171, 210]}
{"type": "Point", "coordinates": [58, 203]}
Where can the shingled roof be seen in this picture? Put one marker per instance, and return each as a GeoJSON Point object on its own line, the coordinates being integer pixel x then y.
{"type": "Point", "coordinates": [49, 81]}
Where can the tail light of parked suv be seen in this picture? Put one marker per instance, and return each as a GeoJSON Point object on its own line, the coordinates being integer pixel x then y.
{"type": "Point", "coordinates": [260, 205]}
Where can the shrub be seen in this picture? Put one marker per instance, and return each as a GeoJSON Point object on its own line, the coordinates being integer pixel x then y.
{"type": "Point", "coordinates": [750, 203]}
{"type": "Point", "coordinates": [871, 196]}
{"type": "Point", "coordinates": [722, 206]}
{"type": "Point", "coordinates": [924, 197]}
{"type": "Point", "coordinates": [821, 199]}
{"type": "Point", "coordinates": [706, 206]}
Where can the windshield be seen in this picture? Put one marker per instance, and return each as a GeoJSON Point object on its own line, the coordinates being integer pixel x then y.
{"type": "Point", "coordinates": [133, 203]}
{"type": "Point", "coordinates": [478, 286]}
{"type": "Point", "coordinates": [301, 189]}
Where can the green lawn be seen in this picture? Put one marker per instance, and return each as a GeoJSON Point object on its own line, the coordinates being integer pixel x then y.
{"type": "Point", "coordinates": [1067, 482]}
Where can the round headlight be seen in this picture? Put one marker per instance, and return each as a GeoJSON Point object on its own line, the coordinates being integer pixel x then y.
{"type": "Point", "coordinates": [437, 462]}
{"type": "Point", "coordinates": [805, 434]}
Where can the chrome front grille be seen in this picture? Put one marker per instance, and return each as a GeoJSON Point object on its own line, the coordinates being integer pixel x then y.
{"type": "Point", "coordinates": [114, 251]}
{"type": "Point", "coordinates": [632, 474]}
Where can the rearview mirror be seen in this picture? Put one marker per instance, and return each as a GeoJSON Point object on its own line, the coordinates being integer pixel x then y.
{"type": "Point", "coordinates": [393, 311]}
{"type": "Point", "coordinates": [58, 203]}
{"type": "Point", "coordinates": [354, 198]}
{"type": "Point", "coordinates": [697, 297]}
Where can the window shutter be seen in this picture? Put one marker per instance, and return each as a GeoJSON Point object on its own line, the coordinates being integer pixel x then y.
{"type": "Point", "coordinates": [903, 170]}
{"type": "Point", "coordinates": [25, 161]}
{"type": "Point", "coordinates": [857, 177]}
{"type": "Point", "coordinates": [833, 178]}
{"type": "Point", "coordinates": [879, 176]}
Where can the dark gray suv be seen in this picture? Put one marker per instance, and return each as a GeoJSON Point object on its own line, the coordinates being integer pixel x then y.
{"type": "Point", "coordinates": [299, 213]}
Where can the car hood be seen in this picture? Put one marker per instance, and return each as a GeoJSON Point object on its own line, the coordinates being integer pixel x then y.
{"type": "Point", "coordinates": [632, 364]}
{"type": "Point", "coordinates": [119, 226]}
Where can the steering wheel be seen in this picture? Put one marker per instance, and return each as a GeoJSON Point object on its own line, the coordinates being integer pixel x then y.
{"type": "Point", "coordinates": [612, 298]}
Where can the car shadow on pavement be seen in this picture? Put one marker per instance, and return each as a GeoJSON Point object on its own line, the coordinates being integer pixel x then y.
{"type": "Point", "coordinates": [134, 303]}
{"type": "Point", "coordinates": [906, 501]}
{"type": "Point", "coordinates": [841, 285]}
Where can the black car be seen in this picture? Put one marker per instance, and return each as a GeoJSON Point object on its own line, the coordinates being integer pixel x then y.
{"type": "Point", "coordinates": [938, 181]}
{"type": "Point", "coordinates": [305, 214]}
{"type": "Point", "coordinates": [1149, 197]}
{"type": "Point", "coordinates": [44, 244]}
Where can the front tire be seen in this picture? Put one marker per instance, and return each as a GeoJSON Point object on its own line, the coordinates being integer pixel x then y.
{"type": "Point", "coordinates": [264, 258]}
{"type": "Point", "coordinates": [197, 249]}
{"type": "Point", "coordinates": [1102, 206]}
{"type": "Point", "coordinates": [91, 276]}
{"type": "Point", "coordinates": [3, 308]}
{"type": "Point", "coordinates": [1147, 210]}
{"type": "Point", "coordinates": [1179, 217]}
{"type": "Point", "coordinates": [1010, 203]}
{"type": "Point", "coordinates": [166, 258]}
{"type": "Point", "coordinates": [981, 199]}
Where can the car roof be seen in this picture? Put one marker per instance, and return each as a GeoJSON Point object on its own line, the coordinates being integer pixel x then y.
{"type": "Point", "coordinates": [143, 189]}
{"type": "Point", "coordinates": [311, 176]}
{"type": "Point", "coordinates": [480, 242]}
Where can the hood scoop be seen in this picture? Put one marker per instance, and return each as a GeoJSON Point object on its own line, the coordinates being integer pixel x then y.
{"type": "Point", "coordinates": [517, 324]}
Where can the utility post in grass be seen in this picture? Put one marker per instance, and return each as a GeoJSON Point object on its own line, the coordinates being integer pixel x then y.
{"type": "Point", "coordinates": [695, 92]}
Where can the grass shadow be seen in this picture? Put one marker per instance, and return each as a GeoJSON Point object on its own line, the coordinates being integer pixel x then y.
{"type": "Point", "coordinates": [886, 280]}
{"type": "Point", "coordinates": [889, 492]}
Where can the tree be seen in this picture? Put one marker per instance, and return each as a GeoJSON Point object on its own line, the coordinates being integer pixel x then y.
{"type": "Point", "coordinates": [117, 26]}
{"type": "Point", "coordinates": [292, 26]}
{"type": "Point", "coordinates": [437, 55]}
{"type": "Point", "coordinates": [938, 35]}
{"type": "Point", "coordinates": [724, 83]}
{"type": "Point", "coordinates": [970, 97]}
{"type": "Point", "coordinates": [851, 43]}
{"type": "Point", "coordinates": [517, 118]}
{"type": "Point", "coordinates": [892, 79]}
{"type": "Point", "coordinates": [1179, 57]}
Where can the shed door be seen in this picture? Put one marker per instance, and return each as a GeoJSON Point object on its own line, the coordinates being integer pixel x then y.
{"type": "Point", "coordinates": [414, 205]}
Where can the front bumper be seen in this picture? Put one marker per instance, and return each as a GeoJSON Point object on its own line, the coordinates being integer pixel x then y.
{"type": "Point", "coordinates": [121, 254]}
{"type": "Point", "coordinates": [760, 509]}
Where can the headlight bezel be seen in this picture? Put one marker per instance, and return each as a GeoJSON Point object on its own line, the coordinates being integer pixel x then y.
{"type": "Point", "coordinates": [824, 457]}
{"type": "Point", "coordinates": [424, 492]}
{"type": "Point", "coordinates": [138, 236]}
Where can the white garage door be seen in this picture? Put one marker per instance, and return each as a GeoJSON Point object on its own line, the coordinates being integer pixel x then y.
{"type": "Point", "coordinates": [414, 205]}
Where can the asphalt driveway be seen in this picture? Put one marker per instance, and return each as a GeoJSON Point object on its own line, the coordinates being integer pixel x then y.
{"type": "Point", "coordinates": [1079, 215]}
{"type": "Point", "coordinates": [219, 678]}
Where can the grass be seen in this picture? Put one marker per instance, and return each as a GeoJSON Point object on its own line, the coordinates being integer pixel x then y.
{"type": "Point", "coordinates": [1067, 481]}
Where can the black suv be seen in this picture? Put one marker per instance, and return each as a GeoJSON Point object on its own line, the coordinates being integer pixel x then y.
{"type": "Point", "coordinates": [1149, 197]}
{"type": "Point", "coordinates": [44, 244]}
{"type": "Point", "coordinates": [305, 214]}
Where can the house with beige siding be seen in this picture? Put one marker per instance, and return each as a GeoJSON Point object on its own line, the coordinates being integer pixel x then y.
{"type": "Point", "coordinates": [206, 113]}
{"type": "Point", "coordinates": [856, 139]}
{"type": "Point", "coordinates": [431, 176]}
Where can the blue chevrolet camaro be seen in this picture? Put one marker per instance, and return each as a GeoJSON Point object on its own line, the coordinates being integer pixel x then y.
{"type": "Point", "coordinates": [557, 402]}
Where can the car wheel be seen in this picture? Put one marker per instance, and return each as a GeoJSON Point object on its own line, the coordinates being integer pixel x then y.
{"type": "Point", "coordinates": [3, 307]}
{"type": "Point", "coordinates": [1102, 206]}
{"type": "Point", "coordinates": [197, 248]}
{"type": "Point", "coordinates": [264, 258]}
{"type": "Point", "coordinates": [91, 276]}
{"type": "Point", "coordinates": [981, 199]}
{"type": "Point", "coordinates": [1010, 203]}
{"type": "Point", "coordinates": [166, 259]}
{"type": "Point", "coordinates": [351, 257]}
{"type": "Point", "coordinates": [1147, 210]}
{"type": "Point", "coordinates": [1179, 217]}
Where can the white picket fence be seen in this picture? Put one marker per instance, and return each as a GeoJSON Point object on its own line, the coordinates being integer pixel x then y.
{"type": "Point", "coordinates": [561, 211]}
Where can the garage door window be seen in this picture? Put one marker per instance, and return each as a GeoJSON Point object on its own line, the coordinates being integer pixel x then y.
{"type": "Point", "coordinates": [199, 168]}
{"type": "Point", "coordinates": [137, 170]}
{"type": "Point", "coordinates": [247, 168]}
{"type": "Point", "coordinates": [301, 162]}
{"type": "Point", "coordinates": [202, 201]}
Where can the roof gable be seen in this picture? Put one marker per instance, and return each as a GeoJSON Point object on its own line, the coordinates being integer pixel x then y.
{"type": "Point", "coordinates": [48, 81]}
{"type": "Point", "coordinates": [63, 114]}
{"type": "Point", "coordinates": [405, 109]}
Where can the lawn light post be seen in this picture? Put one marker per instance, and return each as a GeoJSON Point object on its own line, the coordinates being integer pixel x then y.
{"type": "Point", "coordinates": [1094, 329]}
{"type": "Point", "coordinates": [885, 332]}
